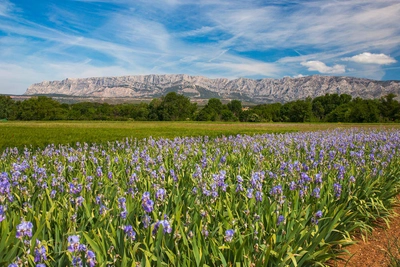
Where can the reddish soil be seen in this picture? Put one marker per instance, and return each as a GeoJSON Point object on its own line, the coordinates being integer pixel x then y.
{"type": "Point", "coordinates": [373, 251]}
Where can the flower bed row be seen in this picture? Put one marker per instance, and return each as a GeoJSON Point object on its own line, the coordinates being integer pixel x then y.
{"type": "Point", "coordinates": [263, 200]}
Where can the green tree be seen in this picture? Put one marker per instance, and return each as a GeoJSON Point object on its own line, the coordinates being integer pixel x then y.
{"type": "Point", "coordinates": [104, 111]}
{"type": "Point", "coordinates": [297, 111]}
{"type": "Point", "coordinates": [206, 114]}
{"type": "Point", "coordinates": [341, 114]}
{"type": "Point", "coordinates": [389, 108]}
{"type": "Point", "coordinates": [249, 116]}
{"type": "Point", "coordinates": [235, 106]}
{"type": "Point", "coordinates": [268, 112]}
{"type": "Point", "coordinates": [83, 111]}
{"type": "Point", "coordinates": [140, 112]}
{"type": "Point", "coordinates": [212, 111]}
{"type": "Point", "coordinates": [323, 105]}
{"type": "Point", "coordinates": [215, 104]}
{"type": "Point", "coordinates": [154, 108]}
{"type": "Point", "coordinates": [7, 107]}
{"type": "Point", "coordinates": [176, 107]}
{"type": "Point", "coordinates": [364, 110]}
{"type": "Point", "coordinates": [318, 110]}
{"type": "Point", "coordinates": [40, 108]}
{"type": "Point", "coordinates": [227, 115]}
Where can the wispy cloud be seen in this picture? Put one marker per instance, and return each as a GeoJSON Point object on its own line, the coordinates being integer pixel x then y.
{"type": "Point", "coordinates": [371, 71]}
{"type": "Point", "coordinates": [234, 70]}
{"type": "Point", "coordinates": [6, 7]}
{"type": "Point", "coordinates": [17, 77]}
{"type": "Point", "coordinates": [143, 33]}
{"type": "Point", "coordinates": [196, 32]}
{"type": "Point", "coordinates": [369, 58]}
{"type": "Point", "coordinates": [321, 67]}
{"type": "Point", "coordinates": [313, 24]}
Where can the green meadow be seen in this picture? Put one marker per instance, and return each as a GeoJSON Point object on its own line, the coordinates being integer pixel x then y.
{"type": "Point", "coordinates": [40, 134]}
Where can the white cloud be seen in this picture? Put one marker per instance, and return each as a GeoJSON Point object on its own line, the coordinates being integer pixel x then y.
{"type": "Point", "coordinates": [315, 65]}
{"type": "Point", "coordinates": [5, 8]}
{"type": "Point", "coordinates": [16, 78]}
{"type": "Point", "coordinates": [299, 76]}
{"type": "Point", "coordinates": [197, 32]}
{"type": "Point", "coordinates": [369, 58]}
{"type": "Point", "coordinates": [235, 69]}
{"type": "Point", "coordinates": [13, 82]}
{"type": "Point", "coordinates": [134, 32]}
{"type": "Point", "coordinates": [189, 59]}
{"type": "Point", "coordinates": [370, 71]}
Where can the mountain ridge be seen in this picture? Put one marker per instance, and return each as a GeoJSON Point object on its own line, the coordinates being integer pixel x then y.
{"type": "Point", "coordinates": [267, 90]}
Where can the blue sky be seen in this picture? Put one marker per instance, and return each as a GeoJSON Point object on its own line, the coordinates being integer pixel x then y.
{"type": "Point", "coordinates": [53, 40]}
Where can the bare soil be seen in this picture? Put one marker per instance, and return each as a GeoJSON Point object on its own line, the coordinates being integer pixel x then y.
{"type": "Point", "coordinates": [374, 250]}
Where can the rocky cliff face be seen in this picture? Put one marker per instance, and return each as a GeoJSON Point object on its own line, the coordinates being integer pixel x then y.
{"type": "Point", "coordinates": [258, 91]}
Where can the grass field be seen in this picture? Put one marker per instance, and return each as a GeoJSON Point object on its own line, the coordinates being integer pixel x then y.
{"type": "Point", "coordinates": [40, 134]}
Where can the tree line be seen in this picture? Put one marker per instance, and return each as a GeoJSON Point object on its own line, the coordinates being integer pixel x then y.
{"type": "Point", "coordinates": [176, 107]}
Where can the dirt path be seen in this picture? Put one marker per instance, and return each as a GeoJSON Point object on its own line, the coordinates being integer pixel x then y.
{"type": "Point", "coordinates": [373, 251]}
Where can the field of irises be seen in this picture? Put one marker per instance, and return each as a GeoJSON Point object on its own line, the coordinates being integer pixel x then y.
{"type": "Point", "coordinates": [263, 200]}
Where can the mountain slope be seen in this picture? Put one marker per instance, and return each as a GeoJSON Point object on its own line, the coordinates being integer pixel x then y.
{"type": "Point", "coordinates": [258, 91]}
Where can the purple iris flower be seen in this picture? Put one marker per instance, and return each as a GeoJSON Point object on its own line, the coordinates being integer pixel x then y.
{"type": "Point", "coordinates": [281, 219]}
{"type": "Point", "coordinates": [91, 258]}
{"type": "Point", "coordinates": [148, 205]}
{"type": "Point", "coordinates": [292, 186]}
{"type": "Point", "coordinates": [145, 196]}
{"type": "Point", "coordinates": [40, 252]}
{"type": "Point", "coordinates": [166, 227]}
{"type": "Point", "coordinates": [122, 203]}
{"type": "Point", "coordinates": [128, 229]}
{"type": "Point", "coordinates": [82, 247]}
{"type": "Point", "coordinates": [146, 220]}
{"type": "Point", "coordinates": [250, 192]}
{"type": "Point", "coordinates": [73, 241]}
{"type": "Point", "coordinates": [205, 232]}
{"type": "Point", "coordinates": [79, 200]}
{"type": "Point", "coordinates": [276, 190]}
{"type": "Point", "coordinates": [2, 213]}
{"type": "Point", "coordinates": [316, 192]}
{"type": "Point", "coordinates": [160, 194]}
{"type": "Point", "coordinates": [76, 261]}
{"type": "Point", "coordinates": [318, 178]}
{"type": "Point", "coordinates": [259, 196]}
{"type": "Point", "coordinates": [239, 187]}
{"type": "Point", "coordinates": [123, 214]}
{"type": "Point", "coordinates": [103, 209]}
{"type": "Point", "coordinates": [24, 229]}
{"type": "Point", "coordinates": [229, 235]}
{"type": "Point", "coordinates": [337, 188]}
{"type": "Point", "coordinates": [317, 215]}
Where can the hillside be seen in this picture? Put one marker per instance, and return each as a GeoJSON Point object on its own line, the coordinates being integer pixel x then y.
{"type": "Point", "coordinates": [198, 87]}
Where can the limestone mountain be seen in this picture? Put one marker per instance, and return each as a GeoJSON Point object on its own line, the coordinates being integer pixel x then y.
{"type": "Point", "coordinates": [198, 87]}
